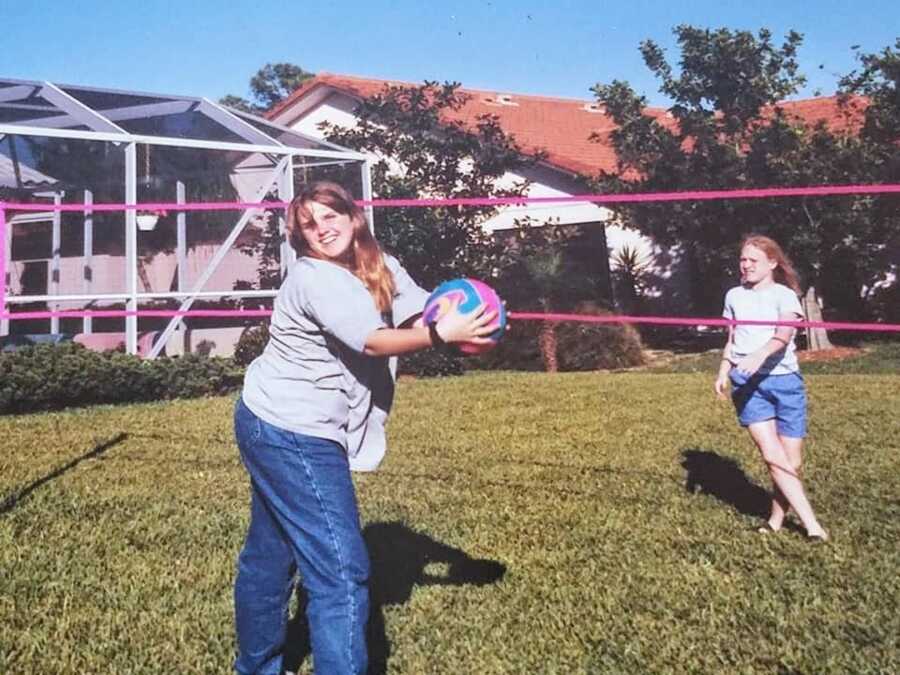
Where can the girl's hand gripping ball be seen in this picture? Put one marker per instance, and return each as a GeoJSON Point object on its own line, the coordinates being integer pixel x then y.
{"type": "Point", "coordinates": [471, 293]}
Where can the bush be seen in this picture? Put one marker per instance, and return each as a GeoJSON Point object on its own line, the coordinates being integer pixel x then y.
{"type": "Point", "coordinates": [580, 346]}
{"type": "Point", "coordinates": [431, 363]}
{"type": "Point", "coordinates": [251, 344]}
{"type": "Point", "coordinates": [594, 346]}
{"type": "Point", "coordinates": [517, 350]}
{"type": "Point", "coordinates": [50, 377]}
{"type": "Point", "coordinates": [885, 304]}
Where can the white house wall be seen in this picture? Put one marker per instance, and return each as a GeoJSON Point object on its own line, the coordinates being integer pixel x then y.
{"type": "Point", "coordinates": [546, 182]}
{"type": "Point", "coordinates": [335, 109]}
{"type": "Point", "coordinates": [109, 274]}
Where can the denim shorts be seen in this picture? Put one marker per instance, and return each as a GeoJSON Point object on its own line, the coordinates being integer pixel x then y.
{"type": "Point", "coordinates": [762, 397]}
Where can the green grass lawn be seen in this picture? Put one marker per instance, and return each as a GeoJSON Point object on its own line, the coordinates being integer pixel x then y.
{"type": "Point", "coordinates": [522, 523]}
{"type": "Point", "coordinates": [872, 358]}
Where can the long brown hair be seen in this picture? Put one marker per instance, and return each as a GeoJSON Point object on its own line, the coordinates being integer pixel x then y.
{"type": "Point", "coordinates": [365, 259]}
{"type": "Point", "coordinates": [784, 273]}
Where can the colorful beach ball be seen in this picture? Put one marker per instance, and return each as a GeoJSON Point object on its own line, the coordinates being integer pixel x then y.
{"type": "Point", "coordinates": [471, 294]}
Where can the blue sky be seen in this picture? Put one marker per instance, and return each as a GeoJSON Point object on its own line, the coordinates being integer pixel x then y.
{"type": "Point", "coordinates": [562, 48]}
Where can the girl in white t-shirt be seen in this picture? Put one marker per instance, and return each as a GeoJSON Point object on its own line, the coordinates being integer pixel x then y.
{"type": "Point", "coordinates": [766, 386]}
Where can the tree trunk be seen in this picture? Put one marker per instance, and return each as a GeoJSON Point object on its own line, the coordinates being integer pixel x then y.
{"type": "Point", "coordinates": [547, 344]}
{"type": "Point", "coordinates": [817, 338]}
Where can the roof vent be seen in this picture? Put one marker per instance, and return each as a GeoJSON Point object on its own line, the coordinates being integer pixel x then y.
{"type": "Point", "coordinates": [594, 108]}
{"type": "Point", "coordinates": [500, 99]}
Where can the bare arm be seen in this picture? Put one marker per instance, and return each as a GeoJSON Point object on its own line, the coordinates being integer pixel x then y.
{"type": "Point", "coordinates": [451, 328]}
{"type": "Point", "coordinates": [394, 341]}
{"type": "Point", "coordinates": [725, 365]}
{"type": "Point", "coordinates": [781, 339]}
{"type": "Point", "coordinates": [778, 342]}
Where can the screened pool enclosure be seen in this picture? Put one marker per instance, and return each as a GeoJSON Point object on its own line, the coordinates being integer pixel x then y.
{"type": "Point", "coordinates": [72, 146]}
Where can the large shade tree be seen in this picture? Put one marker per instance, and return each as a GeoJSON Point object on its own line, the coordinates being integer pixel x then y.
{"type": "Point", "coordinates": [726, 129]}
{"type": "Point", "coordinates": [878, 149]}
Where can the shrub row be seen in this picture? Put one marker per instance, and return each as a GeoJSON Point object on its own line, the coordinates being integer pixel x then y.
{"type": "Point", "coordinates": [51, 377]}
{"type": "Point", "coordinates": [580, 346]}
{"type": "Point", "coordinates": [428, 363]}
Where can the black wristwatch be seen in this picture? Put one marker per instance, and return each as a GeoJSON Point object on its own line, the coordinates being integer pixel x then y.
{"type": "Point", "coordinates": [437, 341]}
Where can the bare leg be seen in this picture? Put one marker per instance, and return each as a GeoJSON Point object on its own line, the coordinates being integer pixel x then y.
{"type": "Point", "coordinates": [793, 447]}
{"type": "Point", "coordinates": [784, 476]}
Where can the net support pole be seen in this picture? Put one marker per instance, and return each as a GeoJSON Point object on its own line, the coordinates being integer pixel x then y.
{"type": "Point", "coordinates": [87, 269]}
{"type": "Point", "coordinates": [366, 169]}
{"type": "Point", "coordinates": [55, 245]}
{"type": "Point", "coordinates": [181, 256]}
{"type": "Point", "coordinates": [286, 194]}
{"type": "Point", "coordinates": [6, 238]}
{"type": "Point", "coordinates": [131, 261]}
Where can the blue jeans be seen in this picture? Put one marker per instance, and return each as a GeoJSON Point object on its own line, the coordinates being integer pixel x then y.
{"type": "Point", "coordinates": [303, 515]}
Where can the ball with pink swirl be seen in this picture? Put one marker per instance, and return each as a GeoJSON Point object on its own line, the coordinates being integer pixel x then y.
{"type": "Point", "coordinates": [471, 294]}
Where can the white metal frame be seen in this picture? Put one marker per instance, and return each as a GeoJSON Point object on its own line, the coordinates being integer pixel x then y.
{"type": "Point", "coordinates": [219, 256]}
{"type": "Point", "coordinates": [103, 128]}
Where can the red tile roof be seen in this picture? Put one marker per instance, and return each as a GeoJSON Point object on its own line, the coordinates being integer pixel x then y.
{"type": "Point", "coordinates": [561, 127]}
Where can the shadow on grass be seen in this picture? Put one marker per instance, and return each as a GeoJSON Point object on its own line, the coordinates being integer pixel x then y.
{"type": "Point", "coordinates": [588, 468]}
{"type": "Point", "coordinates": [13, 500]}
{"type": "Point", "coordinates": [710, 473]}
{"type": "Point", "coordinates": [401, 560]}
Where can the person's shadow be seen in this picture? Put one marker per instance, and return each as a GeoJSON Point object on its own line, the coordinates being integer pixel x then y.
{"type": "Point", "coordinates": [712, 474]}
{"type": "Point", "coordinates": [401, 560]}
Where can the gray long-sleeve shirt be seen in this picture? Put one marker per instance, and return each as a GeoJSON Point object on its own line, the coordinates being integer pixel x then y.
{"type": "Point", "coordinates": [313, 377]}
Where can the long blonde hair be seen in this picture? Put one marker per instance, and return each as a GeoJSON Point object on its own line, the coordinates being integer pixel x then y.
{"type": "Point", "coordinates": [784, 273]}
{"type": "Point", "coordinates": [365, 259]}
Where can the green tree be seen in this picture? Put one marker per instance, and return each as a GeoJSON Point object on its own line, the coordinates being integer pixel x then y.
{"type": "Point", "coordinates": [879, 82]}
{"type": "Point", "coordinates": [238, 103]}
{"type": "Point", "coordinates": [727, 79]}
{"type": "Point", "coordinates": [272, 83]}
{"type": "Point", "coordinates": [727, 129]}
{"type": "Point", "coordinates": [423, 152]}
{"type": "Point", "coordinates": [878, 149]}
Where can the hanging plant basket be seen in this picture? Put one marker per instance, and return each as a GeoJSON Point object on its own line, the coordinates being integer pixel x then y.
{"type": "Point", "coordinates": [147, 221]}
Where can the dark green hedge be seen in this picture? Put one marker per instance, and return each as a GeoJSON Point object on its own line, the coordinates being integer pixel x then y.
{"type": "Point", "coordinates": [51, 377]}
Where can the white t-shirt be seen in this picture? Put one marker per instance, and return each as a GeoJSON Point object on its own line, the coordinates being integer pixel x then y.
{"type": "Point", "coordinates": [762, 304]}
